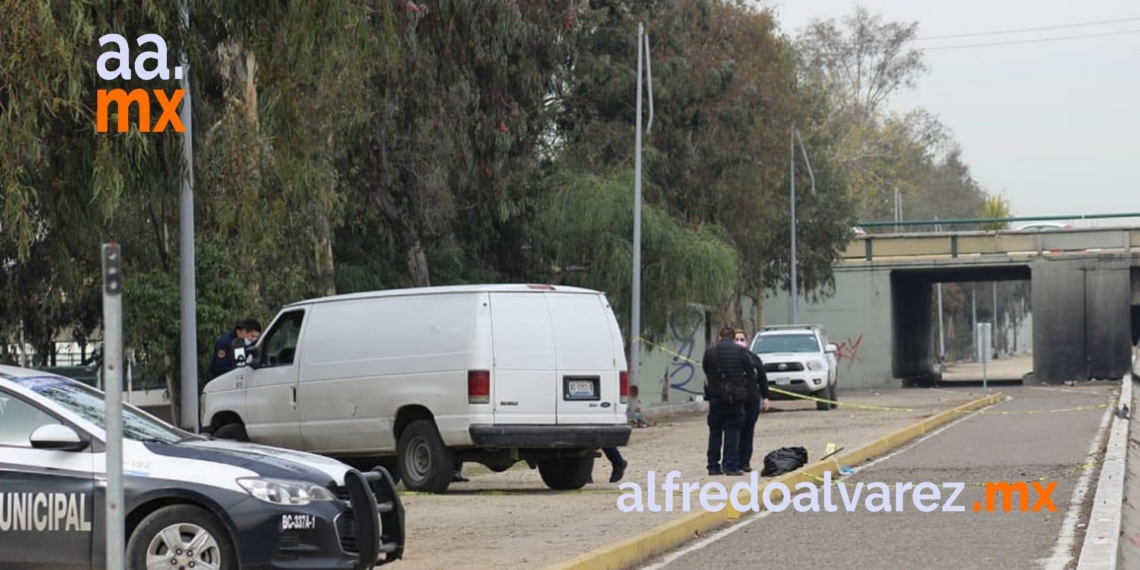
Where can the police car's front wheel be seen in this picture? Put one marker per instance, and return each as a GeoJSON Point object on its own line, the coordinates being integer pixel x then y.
{"type": "Point", "coordinates": [181, 537]}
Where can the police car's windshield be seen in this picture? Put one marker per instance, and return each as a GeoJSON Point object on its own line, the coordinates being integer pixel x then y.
{"type": "Point", "coordinates": [768, 344]}
{"type": "Point", "coordinates": [89, 404]}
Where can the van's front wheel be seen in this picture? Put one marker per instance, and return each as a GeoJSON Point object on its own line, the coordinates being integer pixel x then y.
{"type": "Point", "coordinates": [425, 463]}
{"type": "Point", "coordinates": [234, 431]}
{"type": "Point", "coordinates": [566, 473]}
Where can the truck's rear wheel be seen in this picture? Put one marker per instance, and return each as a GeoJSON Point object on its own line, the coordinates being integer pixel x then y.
{"type": "Point", "coordinates": [566, 473]}
{"type": "Point", "coordinates": [425, 463]}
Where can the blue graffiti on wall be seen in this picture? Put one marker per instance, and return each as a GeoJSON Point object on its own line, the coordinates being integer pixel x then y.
{"type": "Point", "coordinates": [682, 364]}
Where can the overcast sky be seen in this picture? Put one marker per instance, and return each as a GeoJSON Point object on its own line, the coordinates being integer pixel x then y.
{"type": "Point", "coordinates": [1054, 126]}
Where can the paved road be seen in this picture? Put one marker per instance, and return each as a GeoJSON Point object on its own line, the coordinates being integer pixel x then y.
{"type": "Point", "coordinates": [980, 448]}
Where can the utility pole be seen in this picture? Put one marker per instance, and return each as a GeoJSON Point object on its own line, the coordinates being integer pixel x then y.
{"type": "Point", "coordinates": [794, 312]}
{"type": "Point", "coordinates": [974, 320]}
{"type": "Point", "coordinates": [113, 378]}
{"type": "Point", "coordinates": [898, 205]}
{"type": "Point", "coordinates": [941, 337]}
{"type": "Point", "coordinates": [996, 322]}
{"type": "Point", "coordinates": [794, 289]}
{"type": "Point", "coordinates": [635, 320]}
{"type": "Point", "coordinates": [187, 286]}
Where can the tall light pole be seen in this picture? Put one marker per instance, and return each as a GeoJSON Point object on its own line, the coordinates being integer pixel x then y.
{"type": "Point", "coordinates": [974, 321]}
{"type": "Point", "coordinates": [189, 320]}
{"type": "Point", "coordinates": [941, 335]}
{"type": "Point", "coordinates": [635, 319]}
{"type": "Point", "coordinates": [794, 289]}
{"type": "Point", "coordinates": [994, 348]}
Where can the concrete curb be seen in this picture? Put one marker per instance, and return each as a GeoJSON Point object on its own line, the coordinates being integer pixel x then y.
{"type": "Point", "coordinates": [1101, 549]}
{"type": "Point", "coordinates": [668, 536]}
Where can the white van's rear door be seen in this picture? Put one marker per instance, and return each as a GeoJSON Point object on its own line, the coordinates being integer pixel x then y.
{"type": "Point", "coordinates": [524, 382]}
{"type": "Point", "coordinates": [590, 359]}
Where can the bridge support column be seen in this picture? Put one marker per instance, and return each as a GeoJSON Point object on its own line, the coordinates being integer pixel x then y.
{"type": "Point", "coordinates": [911, 311]}
{"type": "Point", "coordinates": [1082, 325]}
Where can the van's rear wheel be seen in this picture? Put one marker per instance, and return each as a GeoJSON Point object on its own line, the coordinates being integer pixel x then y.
{"type": "Point", "coordinates": [425, 463]}
{"type": "Point", "coordinates": [566, 473]}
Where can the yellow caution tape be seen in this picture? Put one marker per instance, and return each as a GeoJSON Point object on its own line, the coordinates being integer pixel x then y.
{"type": "Point", "coordinates": [988, 411]}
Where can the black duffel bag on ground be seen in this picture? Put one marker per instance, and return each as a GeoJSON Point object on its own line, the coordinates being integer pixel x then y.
{"type": "Point", "coordinates": [784, 460]}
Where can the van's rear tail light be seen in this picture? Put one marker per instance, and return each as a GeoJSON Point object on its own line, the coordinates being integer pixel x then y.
{"type": "Point", "coordinates": [624, 379]}
{"type": "Point", "coordinates": [478, 387]}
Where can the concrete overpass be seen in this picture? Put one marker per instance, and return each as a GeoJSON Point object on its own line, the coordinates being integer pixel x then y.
{"type": "Point", "coordinates": [1085, 301]}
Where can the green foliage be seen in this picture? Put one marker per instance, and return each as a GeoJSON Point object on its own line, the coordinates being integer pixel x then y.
{"type": "Point", "coordinates": [586, 225]}
{"type": "Point", "coordinates": [994, 208]}
{"type": "Point", "coordinates": [349, 145]}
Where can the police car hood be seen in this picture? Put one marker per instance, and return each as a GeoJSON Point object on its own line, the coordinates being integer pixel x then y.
{"type": "Point", "coordinates": [266, 461]}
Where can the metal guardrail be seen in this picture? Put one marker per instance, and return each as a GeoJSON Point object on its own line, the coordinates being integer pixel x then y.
{"type": "Point", "coordinates": [983, 221]}
{"type": "Point", "coordinates": [952, 245]}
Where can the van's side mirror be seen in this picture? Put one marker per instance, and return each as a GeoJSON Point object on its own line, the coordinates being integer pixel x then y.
{"type": "Point", "coordinates": [253, 356]}
{"type": "Point", "coordinates": [57, 437]}
{"type": "Point", "coordinates": [832, 349]}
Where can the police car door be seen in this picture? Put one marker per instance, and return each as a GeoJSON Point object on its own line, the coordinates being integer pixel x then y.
{"type": "Point", "coordinates": [46, 495]}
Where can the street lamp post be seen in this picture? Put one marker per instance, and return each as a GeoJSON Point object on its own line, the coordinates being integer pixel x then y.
{"type": "Point", "coordinates": [187, 288]}
{"type": "Point", "coordinates": [635, 318]}
{"type": "Point", "coordinates": [794, 289]}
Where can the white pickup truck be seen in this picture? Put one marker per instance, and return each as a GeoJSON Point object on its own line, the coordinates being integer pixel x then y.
{"type": "Point", "coordinates": [799, 359]}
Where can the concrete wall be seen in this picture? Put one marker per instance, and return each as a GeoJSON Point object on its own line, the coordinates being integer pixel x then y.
{"type": "Point", "coordinates": [858, 319]}
{"type": "Point", "coordinates": [1082, 318]}
{"type": "Point", "coordinates": [882, 321]}
{"type": "Point", "coordinates": [669, 373]}
{"type": "Point", "coordinates": [1108, 319]}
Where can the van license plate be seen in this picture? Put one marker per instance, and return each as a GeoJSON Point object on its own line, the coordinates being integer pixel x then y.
{"type": "Point", "coordinates": [581, 389]}
{"type": "Point", "coordinates": [783, 381]}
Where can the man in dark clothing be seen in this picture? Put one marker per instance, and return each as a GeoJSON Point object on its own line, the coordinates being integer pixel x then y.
{"type": "Point", "coordinates": [244, 333]}
{"type": "Point", "coordinates": [728, 371]}
{"type": "Point", "coordinates": [757, 400]}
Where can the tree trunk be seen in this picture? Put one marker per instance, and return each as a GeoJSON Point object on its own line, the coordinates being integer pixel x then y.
{"type": "Point", "coordinates": [417, 260]}
{"type": "Point", "coordinates": [173, 389]}
{"type": "Point", "coordinates": [326, 276]}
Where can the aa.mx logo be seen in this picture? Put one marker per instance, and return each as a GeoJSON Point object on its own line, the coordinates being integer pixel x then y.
{"type": "Point", "coordinates": [141, 97]}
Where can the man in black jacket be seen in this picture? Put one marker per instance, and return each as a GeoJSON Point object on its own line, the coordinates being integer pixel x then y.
{"type": "Point", "coordinates": [757, 401]}
{"type": "Point", "coordinates": [728, 371]}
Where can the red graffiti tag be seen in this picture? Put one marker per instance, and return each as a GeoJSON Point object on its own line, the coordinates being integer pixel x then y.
{"type": "Point", "coordinates": [849, 350]}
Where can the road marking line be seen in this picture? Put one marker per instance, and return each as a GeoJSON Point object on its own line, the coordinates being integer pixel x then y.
{"type": "Point", "coordinates": [671, 558]}
{"type": "Point", "coordinates": [749, 519]}
{"type": "Point", "coordinates": [1063, 549]}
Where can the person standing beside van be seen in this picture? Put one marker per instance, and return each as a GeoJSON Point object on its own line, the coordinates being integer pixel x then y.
{"type": "Point", "coordinates": [245, 333]}
{"type": "Point", "coordinates": [728, 371]}
{"type": "Point", "coordinates": [757, 401]}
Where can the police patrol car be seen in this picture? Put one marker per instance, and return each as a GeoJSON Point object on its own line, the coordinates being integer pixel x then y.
{"type": "Point", "coordinates": [191, 503]}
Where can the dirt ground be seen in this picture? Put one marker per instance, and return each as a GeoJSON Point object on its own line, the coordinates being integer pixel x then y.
{"type": "Point", "coordinates": [511, 520]}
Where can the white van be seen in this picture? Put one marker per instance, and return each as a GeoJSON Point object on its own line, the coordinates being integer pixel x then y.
{"type": "Point", "coordinates": [419, 379]}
